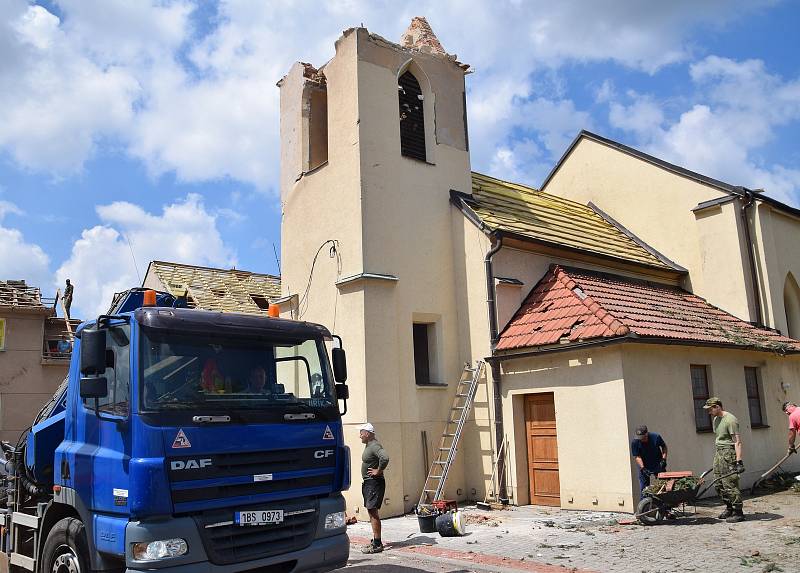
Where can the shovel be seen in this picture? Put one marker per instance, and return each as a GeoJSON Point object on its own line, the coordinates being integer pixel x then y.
{"type": "Point", "coordinates": [769, 471]}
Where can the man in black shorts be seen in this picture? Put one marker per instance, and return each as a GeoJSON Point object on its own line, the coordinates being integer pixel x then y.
{"type": "Point", "coordinates": [373, 461]}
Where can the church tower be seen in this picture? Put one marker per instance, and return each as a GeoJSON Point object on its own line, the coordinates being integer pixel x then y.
{"type": "Point", "coordinates": [372, 143]}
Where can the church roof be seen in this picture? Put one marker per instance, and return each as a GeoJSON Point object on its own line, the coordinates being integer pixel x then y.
{"type": "Point", "coordinates": [569, 306]}
{"type": "Point", "coordinates": [226, 290]}
{"type": "Point", "coordinates": [523, 212]}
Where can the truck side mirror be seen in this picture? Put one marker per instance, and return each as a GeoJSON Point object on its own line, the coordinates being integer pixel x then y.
{"type": "Point", "coordinates": [342, 392]}
{"type": "Point", "coordinates": [93, 352]}
{"type": "Point", "coordinates": [339, 365]}
{"type": "Point", "coordinates": [94, 387]}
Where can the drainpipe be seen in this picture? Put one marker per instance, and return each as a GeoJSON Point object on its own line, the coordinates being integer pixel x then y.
{"type": "Point", "coordinates": [748, 202]}
{"type": "Point", "coordinates": [495, 366]}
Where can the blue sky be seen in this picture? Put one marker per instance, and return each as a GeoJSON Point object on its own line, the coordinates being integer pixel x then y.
{"type": "Point", "coordinates": [138, 130]}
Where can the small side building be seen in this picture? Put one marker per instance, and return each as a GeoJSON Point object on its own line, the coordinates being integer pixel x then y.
{"type": "Point", "coordinates": [35, 350]}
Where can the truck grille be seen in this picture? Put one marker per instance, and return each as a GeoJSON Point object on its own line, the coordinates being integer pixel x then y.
{"type": "Point", "coordinates": [227, 543]}
{"type": "Point", "coordinates": [187, 469]}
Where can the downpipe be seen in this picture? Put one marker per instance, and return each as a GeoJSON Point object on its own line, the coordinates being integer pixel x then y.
{"type": "Point", "coordinates": [747, 203]}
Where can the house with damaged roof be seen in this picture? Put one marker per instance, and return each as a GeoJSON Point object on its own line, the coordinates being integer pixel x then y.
{"type": "Point", "coordinates": [599, 302]}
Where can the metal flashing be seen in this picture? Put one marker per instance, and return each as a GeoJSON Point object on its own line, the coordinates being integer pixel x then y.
{"type": "Point", "coordinates": [366, 276]}
{"type": "Point", "coordinates": [714, 203]}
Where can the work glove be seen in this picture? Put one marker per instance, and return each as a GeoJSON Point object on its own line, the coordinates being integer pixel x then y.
{"type": "Point", "coordinates": [646, 472]}
{"type": "Point", "coordinates": [792, 450]}
{"type": "Point", "coordinates": [662, 466]}
{"type": "Point", "coordinates": [738, 467]}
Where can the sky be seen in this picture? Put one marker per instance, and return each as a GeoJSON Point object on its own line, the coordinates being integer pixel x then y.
{"type": "Point", "coordinates": [134, 131]}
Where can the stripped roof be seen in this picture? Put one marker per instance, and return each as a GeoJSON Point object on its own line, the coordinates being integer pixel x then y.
{"type": "Point", "coordinates": [572, 305]}
{"type": "Point", "coordinates": [521, 211]}
{"type": "Point", "coordinates": [226, 290]}
{"type": "Point", "coordinates": [17, 294]}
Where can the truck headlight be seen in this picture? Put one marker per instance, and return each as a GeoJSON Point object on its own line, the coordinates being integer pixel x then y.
{"type": "Point", "coordinates": [162, 549]}
{"type": "Point", "coordinates": [334, 520]}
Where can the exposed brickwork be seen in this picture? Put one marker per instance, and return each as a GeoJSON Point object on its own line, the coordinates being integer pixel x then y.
{"type": "Point", "coordinates": [420, 36]}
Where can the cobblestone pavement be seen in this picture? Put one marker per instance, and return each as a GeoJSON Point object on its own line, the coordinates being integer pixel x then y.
{"type": "Point", "coordinates": [549, 540]}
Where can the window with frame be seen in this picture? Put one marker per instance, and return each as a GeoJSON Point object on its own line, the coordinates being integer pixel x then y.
{"type": "Point", "coordinates": [412, 117]}
{"type": "Point", "coordinates": [423, 340]}
{"type": "Point", "coordinates": [118, 371]}
{"type": "Point", "coordinates": [700, 394]}
{"type": "Point", "coordinates": [752, 383]}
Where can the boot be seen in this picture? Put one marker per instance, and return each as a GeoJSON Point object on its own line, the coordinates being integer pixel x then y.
{"type": "Point", "coordinates": [726, 514]}
{"type": "Point", "coordinates": [736, 517]}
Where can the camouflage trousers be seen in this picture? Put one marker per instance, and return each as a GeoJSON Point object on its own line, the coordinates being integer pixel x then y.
{"type": "Point", "coordinates": [727, 488]}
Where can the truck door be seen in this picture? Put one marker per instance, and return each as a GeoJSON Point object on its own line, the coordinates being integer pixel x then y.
{"type": "Point", "coordinates": [103, 445]}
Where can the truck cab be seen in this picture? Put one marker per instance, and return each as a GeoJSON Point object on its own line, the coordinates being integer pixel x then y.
{"type": "Point", "coordinates": [188, 440]}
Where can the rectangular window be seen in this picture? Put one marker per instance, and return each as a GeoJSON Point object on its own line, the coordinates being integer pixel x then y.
{"type": "Point", "coordinates": [702, 420]}
{"type": "Point", "coordinates": [751, 380]}
{"type": "Point", "coordinates": [423, 336]}
{"type": "Point", "coordinates": [2, 333]}
{"type": "Point", "coordinates": [317, 128]}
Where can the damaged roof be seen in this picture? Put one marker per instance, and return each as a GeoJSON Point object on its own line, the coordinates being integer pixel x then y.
{"type": "Point", "coordinates": [571, 305]}
{"type": "Point", "coordinates": [529, 214]}
{"type": "Point", "coordinates": [18, 295]}
{"type": "Point", "coordinates": [225, 290]}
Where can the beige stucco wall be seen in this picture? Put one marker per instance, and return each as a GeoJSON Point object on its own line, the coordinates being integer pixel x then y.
{"type": "Point", "coordinates": [591, 426]}
{"type": "Point", "coordinates": [658, 393]}
{"type": "Point", "coordinates": [25, 382]}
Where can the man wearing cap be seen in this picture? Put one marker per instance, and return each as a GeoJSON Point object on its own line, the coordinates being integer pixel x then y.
{"type": "Point", "coordinates": [373, 461]}
{"type": "Point", "coordinates": [727, 459]}
{"type": "Point", "coordinates": [649, 450]}
{"type": "Point", "coordinates": [791, 410]}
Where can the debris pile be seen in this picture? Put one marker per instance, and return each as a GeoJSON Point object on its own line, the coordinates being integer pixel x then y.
{"type": "Point", "coordinates": [658, 485]}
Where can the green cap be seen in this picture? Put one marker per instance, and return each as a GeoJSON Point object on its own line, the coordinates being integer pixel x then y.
{"type": "Point", "coordinates": [713, 401]}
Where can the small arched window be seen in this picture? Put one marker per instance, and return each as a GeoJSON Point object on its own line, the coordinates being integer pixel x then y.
{"type": "Point", "coordinates": [412, 117]}
{"type": "Point", "coordinates": [791, 305]}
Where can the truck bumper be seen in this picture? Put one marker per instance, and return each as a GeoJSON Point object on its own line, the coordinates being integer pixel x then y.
{"type": "Point", "coordinates": [324, 554]}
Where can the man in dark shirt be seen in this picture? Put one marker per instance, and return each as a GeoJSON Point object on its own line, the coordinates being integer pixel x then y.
{"type": "Point", "coordinates": [649, 450]}
{"type": "Point", "coordinates": [373, 461]}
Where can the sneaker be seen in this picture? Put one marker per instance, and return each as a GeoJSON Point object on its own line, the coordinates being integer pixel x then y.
{"type": "Point", "coordinates": [726, 514]}
{"type": "Point", "coordinates": [372, 548]}
{"type": "Point", "coordinates": [735, 517]}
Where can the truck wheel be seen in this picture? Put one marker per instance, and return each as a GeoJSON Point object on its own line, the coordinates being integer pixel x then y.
{"type": "Point", "coordinates": [66, 549]}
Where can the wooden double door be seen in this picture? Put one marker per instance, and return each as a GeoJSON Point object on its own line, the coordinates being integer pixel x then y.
{"type": "Point", "coordinates": [540, 430]}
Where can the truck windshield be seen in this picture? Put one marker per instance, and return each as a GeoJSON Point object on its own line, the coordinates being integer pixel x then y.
{"type": "Point", "coordinates": [215, 373]}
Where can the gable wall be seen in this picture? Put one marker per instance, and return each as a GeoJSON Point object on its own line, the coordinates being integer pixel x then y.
{"type": "Point", "coordinates": [656, 205]}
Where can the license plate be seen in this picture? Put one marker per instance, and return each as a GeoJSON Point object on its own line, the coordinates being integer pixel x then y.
{"type": "Point", "coordinates": [259, 517]}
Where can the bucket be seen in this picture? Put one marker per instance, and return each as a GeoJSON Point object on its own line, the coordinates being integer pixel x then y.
{"type": "Point", "coordinates": [427, 523]}
{"type": "Point", "coordinates": [450, 524]}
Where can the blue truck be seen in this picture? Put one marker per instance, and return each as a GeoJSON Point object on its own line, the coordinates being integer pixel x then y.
{"type": "Point", "coordinates": [183, 441]}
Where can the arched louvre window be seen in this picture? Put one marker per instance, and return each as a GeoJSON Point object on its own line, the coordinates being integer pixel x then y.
{"type": "Point", "coordinates": [412, 117]}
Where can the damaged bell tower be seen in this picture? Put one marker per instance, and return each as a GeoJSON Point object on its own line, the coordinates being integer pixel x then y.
{"type": "Point", "coordinates": [372, 142]}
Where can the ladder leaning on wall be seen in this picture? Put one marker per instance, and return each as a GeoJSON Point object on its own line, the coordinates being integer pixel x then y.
{"type": "Point", "coordinates": [448, 445]}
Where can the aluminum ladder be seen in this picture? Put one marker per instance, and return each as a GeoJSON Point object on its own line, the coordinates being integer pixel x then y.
{"type": "Point", "coordinates": [448, 445]}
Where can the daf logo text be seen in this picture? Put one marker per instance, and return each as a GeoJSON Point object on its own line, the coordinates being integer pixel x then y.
{"type": "Point", "coordinates": [322, 454]}
{"type": "Point", "coordinates": [190, 464]}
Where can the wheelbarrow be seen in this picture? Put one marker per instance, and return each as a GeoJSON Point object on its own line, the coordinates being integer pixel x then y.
{"type": "Point", "coordinates": [654, 507]}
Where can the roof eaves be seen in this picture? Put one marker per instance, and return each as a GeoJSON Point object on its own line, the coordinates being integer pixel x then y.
{"type": "Point", "coordinates": [628, 233]}
{"type": "Point", "coordinates": [714, 203]}
{"type": "Point", "coordinates": [584, 251]}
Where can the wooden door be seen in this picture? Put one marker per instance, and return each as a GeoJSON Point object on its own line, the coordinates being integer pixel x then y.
{"type": "Point", "coordinates": [540, 425]}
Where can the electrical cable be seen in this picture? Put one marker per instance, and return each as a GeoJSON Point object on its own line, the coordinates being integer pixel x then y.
{"type": "Point", "coordinates": [302, 304]}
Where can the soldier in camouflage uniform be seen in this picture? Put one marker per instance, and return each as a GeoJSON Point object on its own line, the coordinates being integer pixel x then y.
{"type": "Point", "coordinates": [727, 458]}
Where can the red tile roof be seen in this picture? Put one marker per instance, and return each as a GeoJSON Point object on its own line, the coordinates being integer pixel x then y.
{"type": "Point", "coordinates": [571, 305]}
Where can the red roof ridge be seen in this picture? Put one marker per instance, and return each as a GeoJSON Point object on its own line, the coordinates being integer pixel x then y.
{"type": "Point", "coordinates": [613, 323]}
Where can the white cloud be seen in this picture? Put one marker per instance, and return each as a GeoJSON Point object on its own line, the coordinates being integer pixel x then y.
{"type": "Point", "coordinates": [735, 112]}
{"type": "Point", "coordinates": [102, 260]}
{"type": "Point", "coordinates": [18, 258]}
{"type": "Point", "coordinates": [201, 102]}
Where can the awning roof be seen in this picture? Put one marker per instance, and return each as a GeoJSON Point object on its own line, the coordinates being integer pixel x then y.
{"type": "Point", "coordinates": [571, 305]}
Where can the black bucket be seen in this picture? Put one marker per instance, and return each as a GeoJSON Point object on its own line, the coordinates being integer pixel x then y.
{"type": "Point", "coordinates": [427, 523]}
{"type": "Point", "coordinates": [449, 524]}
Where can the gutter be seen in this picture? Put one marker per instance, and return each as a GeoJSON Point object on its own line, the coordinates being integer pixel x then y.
{"type": "Point", "coordinates": [747, 203]}
{"type": "Point", "coordinates": [491, 303]}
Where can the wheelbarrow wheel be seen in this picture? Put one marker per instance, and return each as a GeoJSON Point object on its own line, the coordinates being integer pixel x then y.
{"type": "Point", "coordinates": [649, 511]}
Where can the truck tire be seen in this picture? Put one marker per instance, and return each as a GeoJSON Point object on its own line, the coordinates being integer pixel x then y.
{"type": "Point", "coordinates": [66, 549]}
